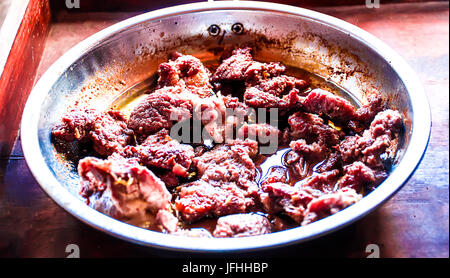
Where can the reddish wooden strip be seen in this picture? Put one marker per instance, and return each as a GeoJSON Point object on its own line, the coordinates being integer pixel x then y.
{"type": "Point", "coordinates": [20, 68]}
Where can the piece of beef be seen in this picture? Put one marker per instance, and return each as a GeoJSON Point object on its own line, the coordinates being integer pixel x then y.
{"type": "Point", "coordinates": [276, 174]}
{"type": "Point", "coordinates": [120, 187]}
{"type": "Point", "coordinates": [230, 162]}
{"type": "Point", "coordinates": [200, 199]}
{"type": "Point", "coordinates": [234, 67]}
{"type": "Point", "coordinates": [280, 197]}
{"type": "Point", "coordinates": [187, 72]}
{"type": "Point", "coordinates": [329, 204]}
{"type": "Point", "coordinates": [242, 225]}
{"type": "Point", "coordinates": [76, 125]}
{"type": "Point", "coordinates": [314, 152]}
{"type": "Point", "coordinates": [160, 110]}
{"type": "Point", "coordinates": [240, 66]}
{"type": "Point", "coordinates": [303, 156]}
{"type": "Point", "coordinates": [281, 85]}
{"type": "Point", "coordinates": [325, 182]}
{"type": "Point", "coordinates": [333, 161]}
{"type": "Point", "coordinates": [311, 128]}
{"type": "Point", "coordinates": [107, 131]}
{"type": "Point", "coordinates": [356, 176]}
{"type": "Point", "coordinates": [374, 142]}
{"type": "Point", "coordinates": [226, 182]}
{"type": "Point", "coordinates": [257, 98]}
{"type": "Point", "coordinates": [161, 151]}
{"type": "Point", "coordinates": [322, 102]}
{"type": "Point", "coordinates": [368, 111]}
{"type": "Point", "coordinates": [281, 92]}
{"type": "Point", "coordinates": [110, 133]}
{"type": "Point", "coordinates": [387, 122]}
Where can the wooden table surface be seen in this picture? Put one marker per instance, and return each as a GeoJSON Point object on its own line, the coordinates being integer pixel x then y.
{"type": "Point", "coordinates": [414, 223]}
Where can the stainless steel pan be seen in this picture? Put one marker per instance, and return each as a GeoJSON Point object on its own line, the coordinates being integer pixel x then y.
{"type": "Point", "coordinates": [98, 70]}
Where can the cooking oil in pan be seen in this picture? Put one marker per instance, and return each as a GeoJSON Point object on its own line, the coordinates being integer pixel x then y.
{"type": "Point", "coordinates": [130, 98]}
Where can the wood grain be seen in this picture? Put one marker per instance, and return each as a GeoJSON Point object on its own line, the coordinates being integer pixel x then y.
{"type": "Point", "coordinates": [414, 223]}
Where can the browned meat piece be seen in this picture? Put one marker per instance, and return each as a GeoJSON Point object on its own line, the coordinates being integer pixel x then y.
{"type": "Point", "coordinates": [200, 199]}
{"type": "Point", "coordinates": [230, 162]}
{"type": "Point", "coordinates": [278, 92]}
{"type": "Point", "coordinates": [388, 122]}
{"type": "Point", "coordinates": [356, 176]}
{"type": "Point", "coordinates": [110, 133]}
{"type": "Point", "coordinates": [239, 108]}
{"type": "Point", "coordinates": [76, 125]}
{"type": "Point", "coordinates": [256, 98]}
{"type": "Point", "coordinates": [160, 110]}
{"type": "Point", "coordinates": [276, 174]}
{"type": "Point", "coordinates": [367, 112]}
{"type": "Point", "coordinates": [120, 187]}
{"type": "Point", "coordinates": [363, 148]}
{"type": "Point", "coordinates": [242, 225]}
{"type": "Point", "coordinates": [233, 68]}
{"type": "Point", "coordinates": [330, 204]}
{"type": "Point", "coordinates": [241, 67]}
{"type": "Point", "coordinates": [257, 71]}
{"type": "Point", "coordinates": [374, 142]}
{"type": "Point", "coordinates": [312, 128]}
{"type": "Point", "coordinates": [333, 161]}
{"type": "Point", "coordinates": [281, 85]}
{"type": "Point", "coordinates": [303, 156]}
{"type": "Point", "coordinates": [320, 102]}
{"type": "Point", "coordinates": [107, 130]}
{"type": "Point", "coordinates": [185, 71]}
{"type": "Point", "coordinates": [280, 197]}
{"type": "Point", "coordinates": [160, 151]}
{"type": "Point", "coordinates": [324, 182]}
{"type": "Point", "coordinates": [313, 152]}
{"type": "Point", "coordinates": [227, 182]}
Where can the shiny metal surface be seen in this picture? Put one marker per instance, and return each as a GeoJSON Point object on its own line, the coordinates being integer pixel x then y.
{"type": "Point", "coordinates": [95, 73]}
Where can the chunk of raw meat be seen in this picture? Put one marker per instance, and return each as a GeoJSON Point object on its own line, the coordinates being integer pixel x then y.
{"type": "Point", "coordinates": [280, 197]}
{"type": "Point", "coordinates": [374, 142]}
{"type": "Point", "coordinates": [240, 66]}
{"type": "Point", "coordinates": [388, 122]}
{"type": "Point", "coordinates": [230, 162]}
{"type": "Point", "coordinates": [170, 224]}
{"type": "Point", "coordinates": [161, 151]}
{"type": "Point", "coordinates": [76, 125]}
{"type": "Point", "coordinates": [312, 128]}
{"type": "Point", "coordinates": [322, 102]}
{"type": "Point", "coordinates": [120, 187]}
{"type": "Point", "coordinates": [226, 182]}
{"type": "Point", "coordinates": [367, 112]}
{"type": "Point", "coordinates": [187, 72]}
{"type": "Point", "coordinates": [276, 174]}
{"type": "Point", "coordinates": [200, 199]}
{"type": "Point", "coordinates": [160, 110]}
{"type": "Point", "coordinates": [107, 131]}
{"type": "Point", "coordinates": [330, 204]}
{"type": "Point", "coordinates": [242, 225]}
